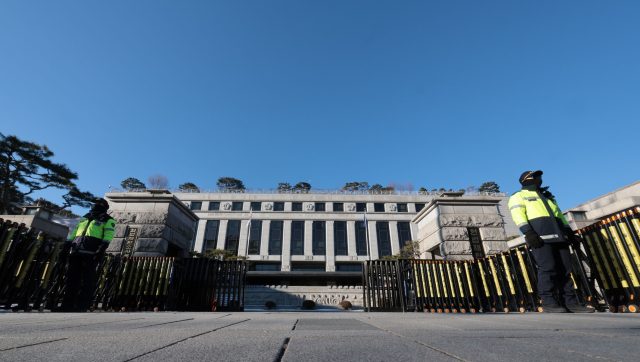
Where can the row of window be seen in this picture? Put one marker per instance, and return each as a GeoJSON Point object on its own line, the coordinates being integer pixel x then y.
{"type": "Point", "coordinates": [295, 267]}
{"type": "Point", "coordinates": [297, 206]}
{"type": "Point", "coordinates": [319, 231]}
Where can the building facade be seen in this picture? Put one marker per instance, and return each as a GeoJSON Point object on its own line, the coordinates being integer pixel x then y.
{"type": "Point", "coordinates": [309, 232]}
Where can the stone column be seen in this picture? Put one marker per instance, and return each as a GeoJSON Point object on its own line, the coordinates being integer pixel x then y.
{"type": "Point", "coordinates": [393, 233]}
{"type": "Point", "coordinates": [222, 234]}
{"type": "Point", "coordinates": [264, 242]}
{"type": "Point", "coordinates": [331, 250]}
{"type": "Point", "coordinates": [244, 232]}
{"type": "Point", "coordinates": [166, 226]}
{"type": "Point", "coordinates": [308, 237]}
{"type": "Point", "coordinates": [286, 245]}
{"type": "Point", "coordinates": [373, 240]}
{"type": "Point", "coordinates": [202, 227]}
{"type": "Point", "coordinates": [351, 238]}
{"type": "Point", "coordinates": [444, 225]}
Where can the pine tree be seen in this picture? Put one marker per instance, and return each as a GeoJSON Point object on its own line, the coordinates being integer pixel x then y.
{"type": "Point", "coordinates": [489, 187]}
{"type": "Point", "coordinates": [189, 187]}
{"type": "Point", "coordinates": [230, 183]}
{"type": "Point", "coordinates": [30, 165]}
{"type": "Point", "coordinates": [132, 183]}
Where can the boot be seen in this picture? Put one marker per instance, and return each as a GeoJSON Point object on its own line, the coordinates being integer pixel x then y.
{"type": "Point", "coordinates": [577, 308]}
{"type": "Point", "coordinates": [552, 308]}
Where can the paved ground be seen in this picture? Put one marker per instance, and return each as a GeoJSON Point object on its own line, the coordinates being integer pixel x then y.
{"type": "Point", "coordinates": [318, 336]}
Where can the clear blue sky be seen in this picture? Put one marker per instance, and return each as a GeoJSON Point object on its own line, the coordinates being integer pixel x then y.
{"type": "Point", "coordinates": [442, 93]}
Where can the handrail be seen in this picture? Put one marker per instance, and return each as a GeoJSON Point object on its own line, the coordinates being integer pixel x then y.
{"type": "Point", "coordinates": [312, 191]}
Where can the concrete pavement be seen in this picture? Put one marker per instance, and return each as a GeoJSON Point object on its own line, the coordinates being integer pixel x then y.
{"type": "Point", "coordinates": [318, 336]}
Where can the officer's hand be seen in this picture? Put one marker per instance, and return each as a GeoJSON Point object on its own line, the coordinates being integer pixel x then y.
{"type": "Point", "coordinates": [65, 248]}
{"type": "Point", "coordinates": [98, 254]}
{"type": "Point", "coordinates": [534, 240]}
{"type": "Point", "coordinates": [574, 240]}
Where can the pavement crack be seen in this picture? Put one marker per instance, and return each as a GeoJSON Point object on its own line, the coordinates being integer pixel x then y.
{"type": "Point", "coordinates": [421, 343]}
{"type": "Point", "coordinates": [295, 325]}
{"type": "Point", "coordinates": [564, 350]}
{"type": "Point", "coordinates": [159, 324]}
{"type": "Point", "coordinates": [594, 334]}
{"type": "Point", "coordinates": [283, 349]}
{"type": "Point", "coordinates": [32, 344]}
{"type": "Point", "coordinates": [185, 339]}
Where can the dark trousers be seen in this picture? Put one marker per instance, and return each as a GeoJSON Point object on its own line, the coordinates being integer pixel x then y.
{"type": "Point", "coordinates": [81, 275]}
{"type": "Point", "coordinates": [554, 270]}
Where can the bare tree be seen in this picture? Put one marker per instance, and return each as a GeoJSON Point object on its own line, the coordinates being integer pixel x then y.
{"type": "Point", "coordinates": [399, 186]}
{"type": "Point", "coordinates": [471, 188]}
{"type": "Point", "coordinates": [158, 181]}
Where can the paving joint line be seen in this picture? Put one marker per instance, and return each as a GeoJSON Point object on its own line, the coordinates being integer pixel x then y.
{"type": "Point", "coordinates": [91, 324]}
{"type": "Point", "coordinates": [595, 334]}
{"type": "Point", "coordinates": [295, 325]}
{"type": "Point", "coordinates": [182, 340]}
{"type": "Point", "coordinates": [33, 344]}
{"type": "Point", "coordinates": [159, 324]}
{"type": "Point", "coordinates": [424, 344]}
{"type": "Point", "coordinates": [565, 350]}
{"type": "Point", "coordinates": [283, 349]}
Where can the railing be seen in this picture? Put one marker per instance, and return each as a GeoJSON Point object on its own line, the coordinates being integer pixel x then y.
{"type": "Point", "coordinates": [312, 191]}
{"type": "Point", "coordinates": [33, 277]}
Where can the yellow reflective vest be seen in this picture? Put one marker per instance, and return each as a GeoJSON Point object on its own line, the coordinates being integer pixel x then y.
{"type": "Point", "coordinates": [531, 211]}
{"type": "Point", "coordinates": [91, 232]}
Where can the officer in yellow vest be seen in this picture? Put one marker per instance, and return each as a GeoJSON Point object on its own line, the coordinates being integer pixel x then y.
{"type": "Point", "coordinates": [548, 234]}
{"type": "Point", "coordinates": [87, 244]}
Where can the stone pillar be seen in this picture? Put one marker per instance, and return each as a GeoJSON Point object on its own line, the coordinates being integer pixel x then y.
{"type": "Point", "coordinates": [443, 226]}
{"type": "Point", "coordinates": [351, 238]}
{"type": "Point", "coordinates": [222, 234]}
{"type": "Point", "coordinates": [331, 250]}
{"type": "Point", "coordinates": [166, 225]}
{"type": "Point", "coordinates": [286, 245]}
{"type": "Point", "coordinates": [199, 244]}
{"type": "Point", "coordinates": [373, 240]}
{"type": "Point", "coordinates": [264, 242]}
{"type": "Point", "coordinates": [393, 233]}
{"type": "Point", "coordinates": [308, 237]}
{"type": "Point", "coordinates": [244, 232]}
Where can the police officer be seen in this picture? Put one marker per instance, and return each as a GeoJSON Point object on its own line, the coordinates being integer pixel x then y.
{"type": "Point", "coordinates": [548, 234]}
{"type": "Point", "coordinates": [87, 244]}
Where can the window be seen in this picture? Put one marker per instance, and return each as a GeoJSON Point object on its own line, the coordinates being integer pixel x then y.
{"type": "Point", "coordinates": [296, 206]}
{"type": "Point", "coordinates": [275, 238]}
{"type": "Point", "coordinates": [256, 206]}
{"type": "Point", "coordinates": [319, 238]}
{"type": "Point", "coordinates": [278, 206]}
{"type": "Point", "coordinates": [378, 207]}
{"type": "Point", "coordinates": [384, 240]}
{"type": "Point", "coordinates": [361, 207]}
{"type": "Point", "coordinates": [308, 267]}
{"type": "Point", "coordinates": [265, 267]}
{"type": "Point", "coordinates": [196, 206]}
{"type": "Point", "coordinates": [361, 238]}
{"type": "Point", "coordinates": [236, 206]}
{"type": "Point", "coordinates": [44, 214]}
{"type": "Point", "coordinates": [340, 237]}
{"type": "Point", "coordinates": [214, 206]}
{"type": "Point", "coordinates": [419, 207]}
{"type": "Point", "coordinates": [320, 206]}
{"type": "Point", "coordinates": [297, 238]}
{"type": "Point", "coordinates": [211, 235]}
{"type": "Point", "coordinates": [338, 206]}
{"type": "Point", "coordinates": [255, 237]}
{"type": "Point", "coordinates": [233, 236]}
{"type": "Point", "coordinates": [404, 233]}
{"type": "Point", "coordinates": [31, 211]}
{"type": "Point", "coordinates": [578, 215]}
{"type": "Point", "coordinates": [402, 208]}
{"type": "Point", "coordinates": [349, 268]}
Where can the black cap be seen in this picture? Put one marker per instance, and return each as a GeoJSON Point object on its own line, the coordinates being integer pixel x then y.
{"type": "Point", "coordinates": [100, 200]}
{"type": "Point", "coordinates": [530, 173]}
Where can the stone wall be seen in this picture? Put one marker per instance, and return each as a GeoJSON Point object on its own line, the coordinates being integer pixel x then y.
{"type": "Point", "coordinates": [443, 223]}
{"type": "Point", "coordinates": [291, 297]}
{"type": "Point", "coordinates": [166, 226]}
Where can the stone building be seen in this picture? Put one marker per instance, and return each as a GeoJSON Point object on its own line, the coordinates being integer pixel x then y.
{"type": "Point", "coordinates": [321, 231]}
